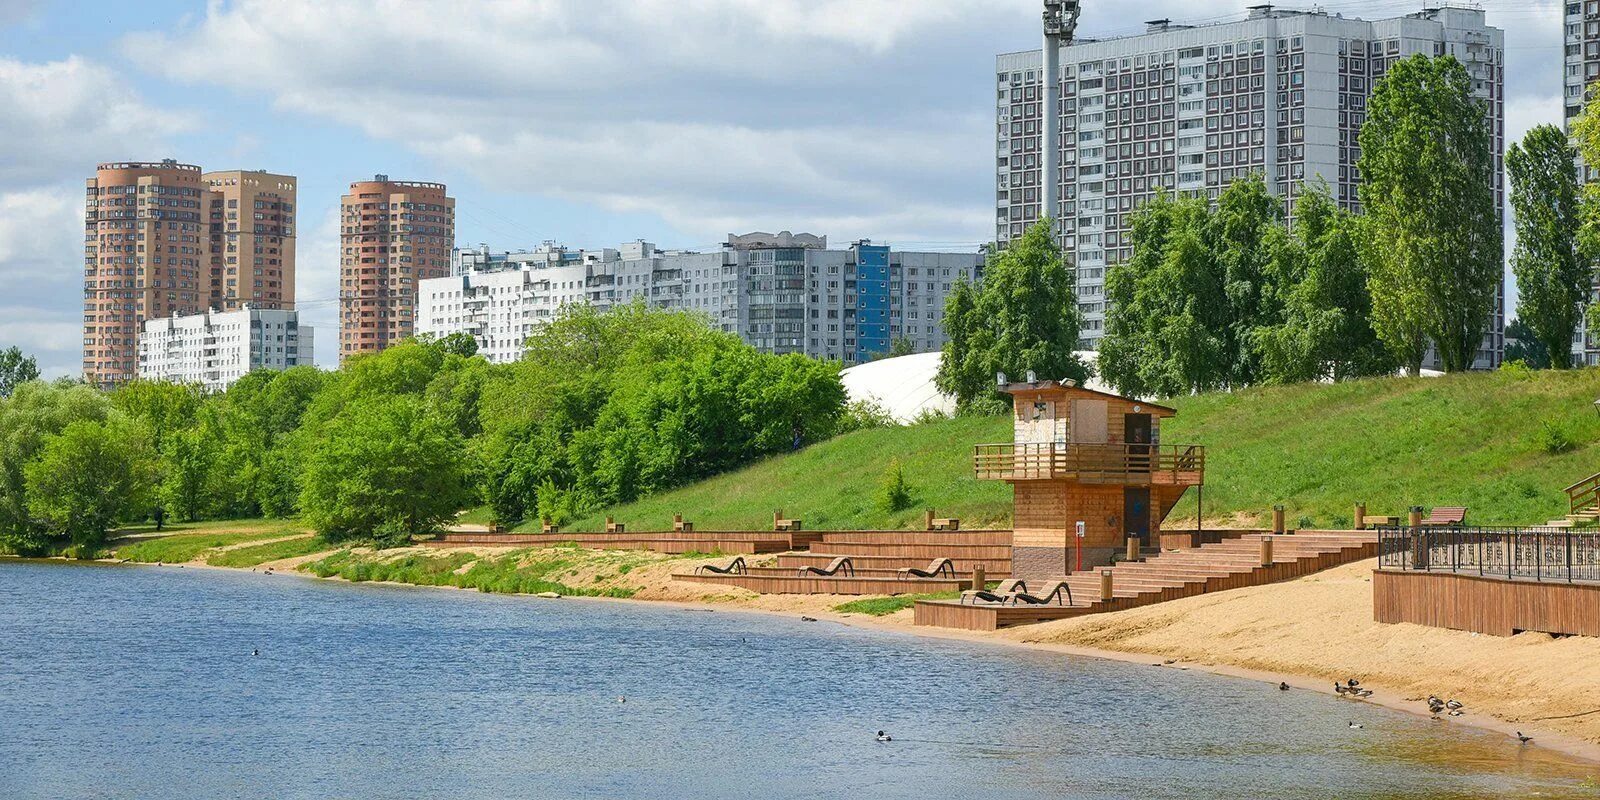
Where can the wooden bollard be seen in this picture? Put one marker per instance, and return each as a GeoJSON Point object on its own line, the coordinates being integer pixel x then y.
{"type": "Point", "coordinates": [1277, 519]}
{"type": "Point", "coordinates": [1266, 551]}
{"type": "Point", "coordinates": [1105, 585]}
{"type": "Point", "coordinates": [1416, 517]}
{"type": "Point", "coordinates": [777, 520]}
{"type": "Point", "coordinates": [1361, 516]}
{"type": "Point", "coordinates": [979, 580]}
{"type": "Point", "coordinates": [927, 519]}
{"type": "Point", "coordinates": [1133, 548]}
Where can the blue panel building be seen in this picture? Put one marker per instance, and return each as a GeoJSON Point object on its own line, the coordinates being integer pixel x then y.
{"type": "Point", "coordinates": [872, 301]}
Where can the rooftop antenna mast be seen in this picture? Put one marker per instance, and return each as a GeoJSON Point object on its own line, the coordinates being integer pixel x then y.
{"type": "Point", "coordinates": [1060, 24]}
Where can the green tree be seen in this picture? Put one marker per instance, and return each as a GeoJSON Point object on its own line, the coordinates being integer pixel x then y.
{"type": "Point", "coordinates": [1167, 321]}
{"type": "Point", "coordinates": [34, 414]}
{"type": "Point", "coordinates": [1024, 316]}
{"type": "Point", "coordinates": [1552, 279]}
{"type": "Point", "coordinates": [1522, 345]}
{"type": "Point", "coordinates": [1326, 330]}
{"type": "Point", "coordinates": [385, 468]}
{"type": "Point", "coordinates": [89, 476]}
{"type": "Point", "coordinates": [15, 370]}
{"type": "Point", "coordinates": [1434, 242]}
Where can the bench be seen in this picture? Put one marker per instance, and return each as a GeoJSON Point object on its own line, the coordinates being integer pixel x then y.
{"type": "Point", "coordinates": [1445, 516]}
{"type": "Point", "coordinates": [612, 526]}
{"type": "Point", "coordinates": [779, 523]}
{"type": "Point", "coordinates": [545, 526]}
{"type": "Point", "coordinates": [932, 523]}
{"type": "Point", "coordinates": [679, 526]}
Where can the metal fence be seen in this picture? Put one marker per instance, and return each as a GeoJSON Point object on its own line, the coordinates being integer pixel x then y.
{"type": "Point", "coordinates": [1538, 554]}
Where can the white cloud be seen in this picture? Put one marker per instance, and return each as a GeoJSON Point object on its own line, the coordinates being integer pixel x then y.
{"type": "Point", "coordinates": [41, 238]}
{"type": "Point", "coordinates": [316, 283]}
{"type": "Point", "coordinates": [716, 114]}
{"type": "Point", "coordinates": [65, 116]}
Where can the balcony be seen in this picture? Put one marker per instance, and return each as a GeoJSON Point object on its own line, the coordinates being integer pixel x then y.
{"type": "Point", "coordinates": [1129, 464]}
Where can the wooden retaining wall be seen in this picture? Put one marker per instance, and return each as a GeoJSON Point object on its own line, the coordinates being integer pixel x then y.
{"type": "Point", "coordinates": [1494, 606]}
{"type": "Point", "coordinates": [817, 584]}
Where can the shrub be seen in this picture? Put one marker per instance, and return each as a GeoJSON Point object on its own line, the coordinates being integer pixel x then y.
{"type": "Point", "coordinates": [894, 493]}
{"type": "Point", "coordinates": [1554, 440]}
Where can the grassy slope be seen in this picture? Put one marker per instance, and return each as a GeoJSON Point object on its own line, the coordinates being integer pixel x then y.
{"type": "Point", "coordinates": [1470, 440]}
{"type": "Point", "coordinates": [834, 484]}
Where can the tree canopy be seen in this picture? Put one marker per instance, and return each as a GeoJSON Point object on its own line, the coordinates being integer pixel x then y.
{"type": "Point", "coordinates": [1024, 316]}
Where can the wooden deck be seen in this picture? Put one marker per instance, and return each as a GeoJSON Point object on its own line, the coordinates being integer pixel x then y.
{"type": "Point", "coordinates": [1494, 606]}
{"type": "Point", "coordinates": [1230, 564]}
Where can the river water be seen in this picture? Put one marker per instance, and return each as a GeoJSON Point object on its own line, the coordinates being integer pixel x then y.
{"type": "Point", "coordinates": [139, 682]}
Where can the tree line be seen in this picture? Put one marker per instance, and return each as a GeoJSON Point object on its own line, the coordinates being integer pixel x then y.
{"type": "Point", "coordinates": [606, 407]}
{"type": "Point", "coordinates": [1244, 289]}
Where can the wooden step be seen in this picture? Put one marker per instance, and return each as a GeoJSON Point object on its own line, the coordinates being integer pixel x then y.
{"type": "Point", "coordinates": [816, 584]}
{"type": "Point", "coordinates": [973, 537]}
{"type": "Point", "coordinates": [922, 551]}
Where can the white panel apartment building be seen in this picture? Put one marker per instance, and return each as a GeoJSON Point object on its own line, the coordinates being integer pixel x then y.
{"type": "Point", "coordinates": [217, 348]}
{"type": "Point", "coordinates": [783, 293]}
{"type": "Point", "coordinates": [1189, 109]}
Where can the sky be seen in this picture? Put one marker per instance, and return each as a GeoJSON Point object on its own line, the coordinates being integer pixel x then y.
{"type": "Point", "coordinates": [588, 122]}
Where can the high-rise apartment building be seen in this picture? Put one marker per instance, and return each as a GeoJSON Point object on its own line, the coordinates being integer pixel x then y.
{"type": "Point", "coordinates": [1191, 108]}
{"type": "Point", "coordinates": [216, 348]}
{"type": "Point", "coordinates": [158, 241]}
{"type": "Point", "coordinates": [251, 213]}
{"type": "Point", "coordinates": [782, 293]}
{"type": "Point", "coordinates": [392, 234]}
{"type": "Point", "coordinates": [1580, 70]}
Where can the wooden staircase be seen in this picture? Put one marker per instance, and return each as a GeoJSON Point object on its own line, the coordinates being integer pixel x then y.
{"type": "Point", "coordinates": [1583, 502]}
{"type": "Point", "coordinates": [1230, 564]}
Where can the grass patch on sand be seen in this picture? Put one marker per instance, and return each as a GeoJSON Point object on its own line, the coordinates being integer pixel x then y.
{"type": "Point", "coordinates": [516, 572]}
{"type": "Point", "coordinates": [881, 606]}
{"type": "Point", "coordinates": [270, 551]}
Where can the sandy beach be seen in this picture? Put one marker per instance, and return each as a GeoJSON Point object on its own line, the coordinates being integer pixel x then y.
{"type": "Point", "coordinates": [1307, 632]}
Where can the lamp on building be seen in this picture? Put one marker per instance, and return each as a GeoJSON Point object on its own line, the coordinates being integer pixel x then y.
{"type": "Point", "coordinates": [1000, 381]}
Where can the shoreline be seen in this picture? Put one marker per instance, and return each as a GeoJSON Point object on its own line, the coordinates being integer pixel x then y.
{"type": "Point", "coordinates": [1383, 696]}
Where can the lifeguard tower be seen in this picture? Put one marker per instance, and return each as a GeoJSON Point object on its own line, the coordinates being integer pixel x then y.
{"type": "Point", "coordinates": [1089, 471]}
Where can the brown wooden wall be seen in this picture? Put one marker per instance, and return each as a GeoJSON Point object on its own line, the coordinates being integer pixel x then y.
{"type": "Point", "coordinates": [1486, 605]}
{"type": "Point", "coordinates": [1045, 510]}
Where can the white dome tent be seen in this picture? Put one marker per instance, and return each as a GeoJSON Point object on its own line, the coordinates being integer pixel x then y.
{"type": "Point", "coordinates": [904, 387]}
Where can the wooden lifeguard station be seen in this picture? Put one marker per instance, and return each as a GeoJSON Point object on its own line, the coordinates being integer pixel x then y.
{"type": "Point", "coordinates": [1083, 456]}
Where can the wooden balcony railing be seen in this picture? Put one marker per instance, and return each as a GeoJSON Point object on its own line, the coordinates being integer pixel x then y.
{"type": "Point", "coordinates": [1133, 464]}
{"type": "Point", "coordinates": [1585, 494]}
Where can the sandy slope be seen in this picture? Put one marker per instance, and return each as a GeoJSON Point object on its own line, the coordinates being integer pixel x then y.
{"type": "Point", "coordinates": [1321, 626]}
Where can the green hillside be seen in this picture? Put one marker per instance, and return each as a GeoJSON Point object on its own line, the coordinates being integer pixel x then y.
{"type": "Point", "coordinates": [1490, 441]}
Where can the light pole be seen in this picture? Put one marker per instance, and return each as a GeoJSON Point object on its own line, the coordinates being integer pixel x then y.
{"type": "Point", "coordinates": [1060, 23]}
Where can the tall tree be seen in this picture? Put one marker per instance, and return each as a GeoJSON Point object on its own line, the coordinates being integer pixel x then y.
{"type": "Point", "coordinates": [88, 477]}
{"type": "Point", "coordinates": [1326, 331]}
{"type": "Point", "coordinates": [1024, 316]}
{"type": "Point", "coordinates": [1427, 170]}
{"type": "Point", "coordinates": [16, 369]}
{"type": "Point", "coordinates": [1551, 277]}
{"type": "Point", "coordinates": [1586, 135]}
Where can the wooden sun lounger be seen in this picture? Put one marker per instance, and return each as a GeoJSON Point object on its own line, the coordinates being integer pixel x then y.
{"type": "Point", "coordinates": [1443, 516]}
{"type": "Point", "coordinates": [1053, 592]}
{"type": "Point", "coordinates": [735, 567]}
{"type": "Point", "coordinates": [1001, 594]}
{"type": "Point", "coordinates": [841, 563]}
{"type": "Point", "coordinates": [938, 566]}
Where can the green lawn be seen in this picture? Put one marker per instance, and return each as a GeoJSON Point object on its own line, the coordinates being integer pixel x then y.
{"type": "Point", "coordinates": [185, 542]}
{"type": "Point", "coordinates": [1476, 440]}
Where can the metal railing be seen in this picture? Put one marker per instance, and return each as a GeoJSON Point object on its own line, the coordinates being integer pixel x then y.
{"type": "Point", "coordinates": [1538, 554]}
{"type": "Point", "coordinates": [1137, 464]}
